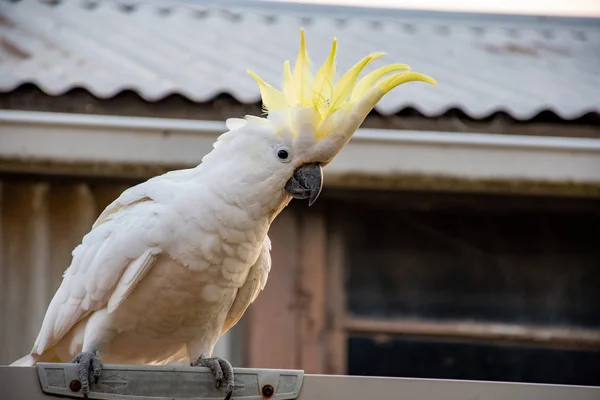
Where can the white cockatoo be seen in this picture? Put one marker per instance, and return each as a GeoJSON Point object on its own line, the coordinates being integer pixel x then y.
{"type": "Point", "coordinates": [174, 262]}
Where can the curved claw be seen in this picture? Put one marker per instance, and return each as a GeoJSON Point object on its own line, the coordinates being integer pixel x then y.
{"type": "Point", "coordinates": [228, 375]}
{"type": "Point", "coordinates": [221, 370]}
{"type": "Point", "coordinates": [90, 367]}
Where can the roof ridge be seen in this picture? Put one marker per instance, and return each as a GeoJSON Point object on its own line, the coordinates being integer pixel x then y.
{"type": "Point", "coordinates": [340, 12]}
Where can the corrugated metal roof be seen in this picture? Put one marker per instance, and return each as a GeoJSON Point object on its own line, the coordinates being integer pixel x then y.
{"type": "Point", "coordinates": [521, 66]}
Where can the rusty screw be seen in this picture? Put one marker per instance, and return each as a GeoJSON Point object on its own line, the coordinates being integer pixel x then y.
{"type": "Point", "coordinates": [75, 385]}
{"type": "Point", "coordinates": [268, 390]}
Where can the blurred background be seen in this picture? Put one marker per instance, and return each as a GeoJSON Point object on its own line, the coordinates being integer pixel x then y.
{"type": "Point", "coordinates": [458, 234]}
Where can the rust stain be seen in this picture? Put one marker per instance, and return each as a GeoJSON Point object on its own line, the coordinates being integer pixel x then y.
{"type": "Point", "coordinates": [4, 20]}
{"type": "Point", "coordinates": [552, 48]}
{"type": "Point", "coordinates": [534, 49]}
{"type": "Point", "coordinates": [13, 49]}
{"type": "Point", "coordinates": [510, 48]}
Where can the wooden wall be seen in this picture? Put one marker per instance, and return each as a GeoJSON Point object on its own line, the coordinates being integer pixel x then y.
{"type": "Point", "coordinates": [41, 222]}
{"type": "Point", "coordinates": [287, 326]}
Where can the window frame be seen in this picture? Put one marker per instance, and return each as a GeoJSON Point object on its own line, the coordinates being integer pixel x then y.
{"type": "Point", "coordinates": [342, 323]}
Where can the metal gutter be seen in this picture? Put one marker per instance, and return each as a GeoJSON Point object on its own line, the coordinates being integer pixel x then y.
{"type": "Point", "coordinates": [108, 121]}
{"type": "Point", "coordinates": [479, 140]}
{"type": "Point", "coordinates": [75, 141]}
{"type": "Point", "coordinates": [363, 134]}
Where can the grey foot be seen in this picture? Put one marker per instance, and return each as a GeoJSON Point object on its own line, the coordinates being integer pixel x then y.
{"type": "Point", "coordinates": [222, 371]}
{"type": "Point", "coordinates": [90, 368]}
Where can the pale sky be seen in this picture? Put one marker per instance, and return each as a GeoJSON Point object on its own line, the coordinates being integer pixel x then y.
{"type": "Point", "coordinates": [540, 7]}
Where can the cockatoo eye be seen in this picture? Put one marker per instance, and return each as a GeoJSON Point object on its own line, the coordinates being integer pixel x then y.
{"type": "Point", "coordinates": [283, 153]}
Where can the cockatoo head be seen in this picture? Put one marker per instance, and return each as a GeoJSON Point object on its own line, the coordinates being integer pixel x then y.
{"type": "Point", "coordinates": [313, 117]}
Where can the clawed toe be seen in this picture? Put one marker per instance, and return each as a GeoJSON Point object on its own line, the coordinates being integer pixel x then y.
{"type": "Point", "coordinates": [89, 367]}
{"type": "Point", "coordinates": [221, 370]}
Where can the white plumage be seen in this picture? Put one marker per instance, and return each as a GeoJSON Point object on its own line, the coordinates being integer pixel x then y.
{"type": "Point", "coordinates": [173, 262]}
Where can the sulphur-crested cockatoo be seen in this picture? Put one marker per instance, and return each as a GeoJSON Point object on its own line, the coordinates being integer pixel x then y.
{"type": "Point", "coordinates": [174, 262]}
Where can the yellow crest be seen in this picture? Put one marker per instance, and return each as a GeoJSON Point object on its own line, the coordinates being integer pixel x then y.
{"type": "Point", "coordinates": [302, 88]}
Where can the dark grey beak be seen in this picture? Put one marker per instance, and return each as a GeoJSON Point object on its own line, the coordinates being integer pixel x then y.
{"type": "Point", "coordinates": [306, 183]}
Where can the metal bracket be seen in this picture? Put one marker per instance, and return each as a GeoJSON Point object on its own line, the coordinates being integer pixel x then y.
{"type": "Point", "coordinates": [137, 382]}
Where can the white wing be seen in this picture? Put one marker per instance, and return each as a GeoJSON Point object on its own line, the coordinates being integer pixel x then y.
{"type": "Point", "coordinates": [112, 258]}
{"type": "Point", "coordinates": [255, 282]}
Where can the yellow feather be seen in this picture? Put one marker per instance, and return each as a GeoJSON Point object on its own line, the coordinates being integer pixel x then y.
{"type": "Point", "coordinates": [323, 86]}
{"type": "Point", "coordinates": [272, 98]}
{"type": "Point", "coordinates": [302, 75]}
{"type": "Point", "coordinates": [403, 77]}
{"type": "Point", "coordinates": [368, 80]}
{"type": "Point", "coordinates": [344, 87]}
{"type": "Point", "coordinates": [334, 106]}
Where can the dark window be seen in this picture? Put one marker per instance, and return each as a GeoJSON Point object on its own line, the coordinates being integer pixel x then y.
{"type": "Point", "coordinates": [517, 266]}
{"type": "Point", "coordinates": [447, 360]}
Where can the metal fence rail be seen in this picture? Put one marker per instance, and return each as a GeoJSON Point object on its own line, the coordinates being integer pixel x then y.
{"type": "Point", "coordinates": [129, 382]}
